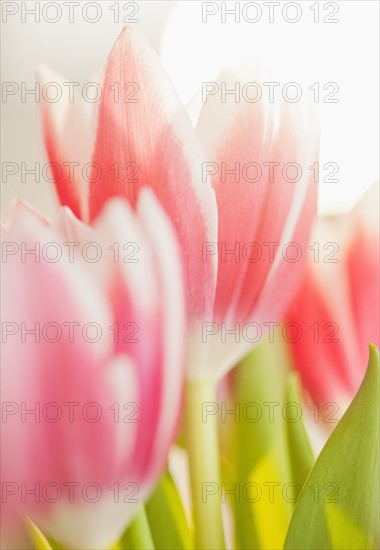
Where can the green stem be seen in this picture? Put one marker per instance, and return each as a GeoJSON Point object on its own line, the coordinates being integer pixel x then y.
{"type": "Point", "coordinates": [138, 535]}
{"type": "Point", "coordinates": [204, 464]}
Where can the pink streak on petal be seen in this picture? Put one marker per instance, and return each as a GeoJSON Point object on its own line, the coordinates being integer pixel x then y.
{"type": "Point", "coordinates": [324, 366]}
{"type": "Point", "coordinates": [257, 212]}
{"type": "Point", "coordinates": [67, 138]}
{"type": "Point", "coordinates": [364, 275]}
{"type": "Point", "coordinates": [156, 135]}
{"type": "Point", "coordinates": [235, 133]}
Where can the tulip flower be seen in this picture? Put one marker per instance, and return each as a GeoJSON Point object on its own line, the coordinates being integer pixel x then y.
{"type": "Point", "coordinates": [337, 308]}
{"type": "Point", "coordinates": [142, 136]}
{"type": "Point", "coordinates": [234, 232]}
{"type": "Point", "coordinates": [92, 370]}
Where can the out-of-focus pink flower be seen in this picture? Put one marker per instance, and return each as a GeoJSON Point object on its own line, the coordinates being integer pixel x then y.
{"type": "Point", "coordinates": [93, 343]}
{"type": "Point", "coordinates": [142, 136]}
{"type": "Point", "coordinates": [338, 307]}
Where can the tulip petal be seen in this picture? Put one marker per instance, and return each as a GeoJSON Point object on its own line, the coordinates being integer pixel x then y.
{"type": "Point", "coordinates": [108, 374]}
{"type": "Point", "coordinates": [271, 209]}
{"type": "Point", "coordinates": [68, 142]}
{"type": "Point", "coordinates": [53, 353]}
{"type": "Point", "coordinates": [170, 276]}
{"type": "Point", "coordinates": [259, 212]}
{"type": "Point", "coordinates": [327, 354]}
{"type": "Point", "coordinates": [232, 135]}
{"type": "Point", "coordinates": [144, 138]}
{"type": "Point", "coordinates": [46, 369]}
{"type": "Point", "coordinates": [363, 267]}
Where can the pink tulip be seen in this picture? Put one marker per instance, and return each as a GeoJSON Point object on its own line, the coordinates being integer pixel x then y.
{"type": "Point", "coordinates": [103, 369]}
{"type": "Point", "coordinates": [337, 308]}
{"type": "Point", "coordinates": [142, 136]}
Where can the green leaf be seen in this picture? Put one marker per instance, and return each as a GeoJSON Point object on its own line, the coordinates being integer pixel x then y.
{"type": "Point", "coordinates": [167, 519]}
{"type": "Point", "coordinates": [257, 454]}
{"type": "Point", "coordinates": [299, 448]}
{"type": "Point", "coordinates": [39, 540]}
{"type": "Point", "coordinates": [339, 506]}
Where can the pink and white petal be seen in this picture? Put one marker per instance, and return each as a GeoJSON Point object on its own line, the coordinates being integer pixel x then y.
{"type": "Point", "coordinates": [58, 366]}
{"type": "Point", "coordinates": [255, 214]}
{"type": "Point", "coordinates": [234, 134]}
{"type": "Point", "coordinates": [169, 274]}
{"type": "Point", "coordinates": [70, 228]}
{"type": "Point", "coordinates": [21, 211]}
{"type": "Point", "coordinates": [364, 273]}
{"type": "Point", "coordinates": [363, 265]}
{"type": "Point", "coordinates": [77, 268]}
{"type": "Point", "coordinates": [80, 244]}
{"type": "Point", "coordinates": [136, 302]}
{"type": "Point", "coordinates": [68, 141]}
{"type": "Point", "coordinates": [112, 453]}
{"type": "Point", "coordinates": [290, 212]}
{"type": "Point", "coordinates": [325, 352]}
{"type": "Point", "coordinates": [147, 130]}
{"type": "Point", "coordinates": [102, 523]}
{"type": "Point", "coordinates": [329, 359]}
{"type": "Point", "coordinates": [127, 253]}
{"type": "Point", "coordinates": [122, 379]}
